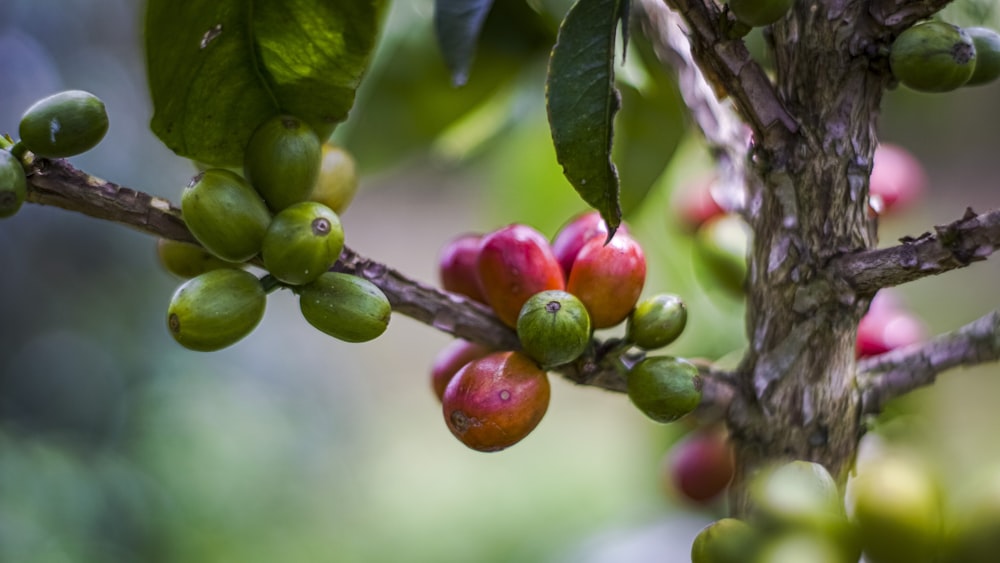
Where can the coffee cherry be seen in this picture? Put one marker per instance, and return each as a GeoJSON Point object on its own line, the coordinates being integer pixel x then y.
{"type": "Point", "coordinates": [13, 184]}
{"type": "Point", "coordinates": [987, 43]}
{"type": "Point", "coordinates": [553, 328]}
{"type": "Point", "coordinates": [577, 232]}
{"type": "Point", "coordinates": [514, 263]}
{"type": "Point", "coordinates": [187, 260]}
{"type": "Point", "coordinates": [452, 358]}
{"type": "Point", "coordinates": [897, 510]}
{"type": "Point", "coordinates": [216, 309]}
{"type": "Point", "coordinates": [800, 547]}
{"type": "Point", "coordinates": [608, 278]}
{"type": "Point", "coordinates": [898, 179]}
{"type": "Point", "coordinates": [721, 244]}
{"type": "Point", "coordinates": [758, 13]}
{"type": "Point", "coordinates": [64, 124]}
{"type": "Point", "coordinates": [282, 161]}
{"type": "Point", "coordinates": [457, 266]}
{"type": "Point", "coordinates": [887, 326]}
{"type": "Point", "coordinates": [664, 388]}
{"type": "Point", "coordinates": [338, 179]}
{"type": "Point", "coordinates": [345, 307]}
{"type": "Point", "coordinates": [933, 56]}
{"type": "Point", "coordinates": [225, 214]}
{"type": "Point", "coordinates": [494, 402]}
{"type": "Point", "coordinates": [700, 466]}
{"type": "Point", "coordinates": [693, 204]}
{"type": "Point", "coordinates": [724, 541]}
{"type": "Point", "coordinates": [656, 321]}
{"type": "Point", "coordinates": [302, 242]}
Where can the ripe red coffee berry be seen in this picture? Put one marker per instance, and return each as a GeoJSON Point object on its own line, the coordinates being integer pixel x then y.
{"type": "Point", "coordinates": [700, 466]}
{"type": "Point", "coordinates": [514, 263]}
{"type": "Point", "coordinates": [886, 326]}
{"type": "Point", "coordinates": [494, 402]}
{"type": "Point", "coordinates": [452, 358]}
{"type": "Point", "coordinates": [694, 204]}
{"type": "Point", "coordinates": [898, 179]}
{"type": "Point", "coordinates": [576, 233]}
{"type": "Point", "coordinates": [457, 266]}
{"type": "Point", "coordinates": [608, 278]}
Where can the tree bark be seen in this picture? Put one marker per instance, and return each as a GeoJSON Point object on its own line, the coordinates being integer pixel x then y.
{"type": "Point", "coordinates": [807, 203]}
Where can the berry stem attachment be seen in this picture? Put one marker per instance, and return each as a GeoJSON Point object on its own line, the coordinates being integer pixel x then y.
{"type": "Point", "coordinates": [270, 283]}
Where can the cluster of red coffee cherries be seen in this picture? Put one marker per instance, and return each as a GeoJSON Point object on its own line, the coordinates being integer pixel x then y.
{"type": "Point", "coordinates": [554, 294]}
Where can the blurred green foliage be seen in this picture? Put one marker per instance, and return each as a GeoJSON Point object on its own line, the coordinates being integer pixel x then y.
{"type": "Point", "coordinates": [118, 445]}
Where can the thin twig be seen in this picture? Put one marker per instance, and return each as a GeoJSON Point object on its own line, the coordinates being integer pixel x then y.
{"type": "Point", "coordinates": [955, 245]}
{"type": "Point", "coordinates": [900, 371]}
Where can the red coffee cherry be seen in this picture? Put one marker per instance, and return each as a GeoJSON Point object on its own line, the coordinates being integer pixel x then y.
{"type": "Point", "coordinates": [576, 233]}
{"type": "Point", "coordinates": [608, 278]}
{"type": "Point", "coordinates": [897, 181]}
{"type": "Point", "coordinates": [887, 326]}
{"type": "Point", "coordinates": [700, 466]}
{"type": "Point", "coordinates": [514, 263]}
{"type": "Point", "coordinates": [494, 402]}
{"type": "Point", "coordinates": [452, 358]}
{"type": "Point", "coordinates": [457, 266]}
{"type": "Point", "coordinates": [694, 204]}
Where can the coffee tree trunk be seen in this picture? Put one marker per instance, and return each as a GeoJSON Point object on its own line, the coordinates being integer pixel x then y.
{"type": "Point", "coordinates": [807, 202]}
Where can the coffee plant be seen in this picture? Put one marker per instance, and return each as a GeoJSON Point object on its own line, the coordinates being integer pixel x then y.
{"type": "Point", "coordinates": [785, 225]}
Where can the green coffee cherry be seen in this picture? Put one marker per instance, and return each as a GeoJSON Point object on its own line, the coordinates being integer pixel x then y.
{"type": "Point", "coordinates": [13, 184]}
{"type": "Point", "coordinates": [346, 307]}
{"type": "Point", "coordinates": [933, 56]}
{"type": "Point", "coordinates": [225, 214]}
{"type": "Point", "coordinates": [64, 124]}
{"type": "Point", "coordinates": [656, 321]}
{"type": "Point", "coordinates": [664, 388]}
{"type": "Point", "coordinates": [282, 161]}
{"type": "Point", "coordinates": [338, 179]}
{"type": "Point", "coordinates": [987, 42]}
{"type": "Point", "coordinates": [302, 242]}
{"type": "Point", "coordinates": [724, 541]}
{"type": "Point", "coordinates": [188, 260]}
{"type": "Point", "coordinates": [800, 547]}
{"type": "Point", "coordinates": [216, 309]}
{"type": "Point", "coordinates": [758, 13]}
{"type": "Point", "coordinates": [554, 328]}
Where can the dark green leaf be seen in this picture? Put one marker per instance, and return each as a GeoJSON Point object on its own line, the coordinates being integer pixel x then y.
{"type": "Point", "coordinates": [582, 101]}
{"type": "Point", "coordinates": [218, 69]}
{"type": "Point", "coordinates": [457, 24]}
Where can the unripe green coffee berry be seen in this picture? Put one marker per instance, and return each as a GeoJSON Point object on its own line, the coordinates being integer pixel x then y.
{"type": "Point", "coordinates": [554, 328]}
{"type": "Point", "coordinates": [664, 388]}
{"type": "Point", "coordinates": [64, 124]}
{"type": "Point", "coordinates": [987, 42]}
{"type": "Point", "coordinates": [933, 56]}
{"type": "Point", "coordinates": [345, 307]}
{"type": "Point", "coordinates": [187, 260]}
{"type": "Point", "coordinates": [656, 321]}
{"type": "Point", "coordinates": [225, 214]}
{"type": "Point", "coordinates": [282, 161]}
{"type": "Point", "coordinates": [302, 242]}
{"type": "Point", "coordinates": [727, 540]}
{"type": "Point", "coordinates": [216, 309]}
{"type": "Point", "coordinates": [758, 13]}
{"type": "Point", "coordinates": [13, 184]}
{"type": "Point", "coordinates": [338, 179]}
{"type": "Point", "coordinates": [800, 547]}
{"type": "Point", "coordinates": [797, 494]}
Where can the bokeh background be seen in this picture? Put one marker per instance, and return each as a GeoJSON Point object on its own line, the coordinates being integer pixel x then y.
{"type": "Point", "coordinates": [116, 444]}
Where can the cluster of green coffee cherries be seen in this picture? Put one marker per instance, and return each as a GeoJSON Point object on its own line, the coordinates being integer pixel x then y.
{"type": "Point", "coordinates": [61, 125]}
{"type": "Point", "coordinates": [896, 509]}
{"type": "Point", "coordinates": [284, 209]}
{"type": "Point", "coordinates": [935, 56]}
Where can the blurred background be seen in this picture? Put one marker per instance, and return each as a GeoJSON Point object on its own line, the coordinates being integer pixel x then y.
{"type": "Point", "coordinates": [116, 444]}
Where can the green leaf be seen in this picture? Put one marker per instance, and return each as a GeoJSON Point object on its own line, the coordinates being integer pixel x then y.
{"type": "Point", "coordinates": [457, 24]}
{"type": "Point", "coordinates": [582, 101]}
{"type": "Point", "coordinates": [218, 69]}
